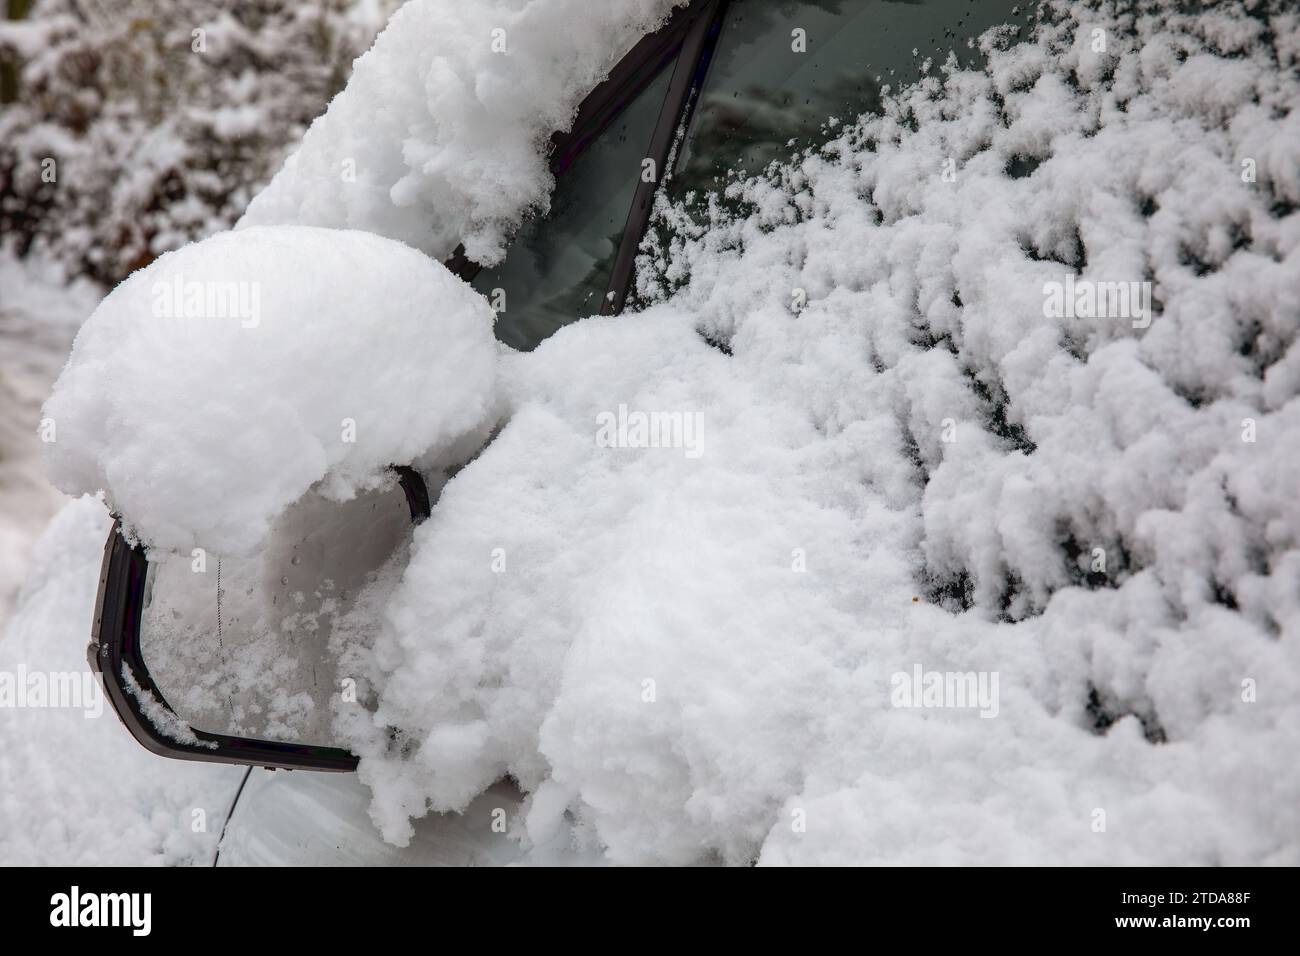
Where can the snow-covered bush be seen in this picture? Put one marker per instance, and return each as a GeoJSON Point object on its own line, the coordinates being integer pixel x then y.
{"type": "Point", "coordinates": [141, 126]}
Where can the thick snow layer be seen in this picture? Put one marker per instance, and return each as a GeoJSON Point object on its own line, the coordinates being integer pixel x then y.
{"type": "Point", "coordinates": [694, 650]}
{"type": "Point", "coordinates": [440, 134]}
{"type": "Point", "coordinates": [78, 790]}
{"type": "Point", "coordinates": [903, 461]}
{"type": "Point", "coordinates": [212, 389]}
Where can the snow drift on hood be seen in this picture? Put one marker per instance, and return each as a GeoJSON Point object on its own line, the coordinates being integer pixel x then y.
{"type": "Point", "coordinates": [211, 389]}
{"type": "Point", "coordinates": [440, 135]}
{"type": "Point", "coordinates": [908, 467]}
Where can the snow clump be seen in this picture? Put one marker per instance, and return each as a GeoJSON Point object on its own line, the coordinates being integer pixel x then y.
{"type": "Point", "coordinates": [440, 136]}
{"type": "Point", "coordinates": [212, 389]}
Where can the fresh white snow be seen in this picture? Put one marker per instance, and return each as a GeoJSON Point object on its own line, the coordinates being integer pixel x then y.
{"type": "Point", "coordinates": [79, 790]}
{"type": "Point", "coordinates": [698, 658]}
{"type": "Point", "coordinates": [907, 464]}
{"type": "Point", "coordinates": [39, 316]}
{"type": "Point", "coordinates": [212, 389]}
{"type": "Point", "coordinates": [440, 135]}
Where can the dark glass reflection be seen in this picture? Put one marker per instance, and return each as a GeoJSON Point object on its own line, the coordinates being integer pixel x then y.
{"type": "Point", "coordinates": [557, 269]}
{"type": "Point", "coordinates": [763, 99]}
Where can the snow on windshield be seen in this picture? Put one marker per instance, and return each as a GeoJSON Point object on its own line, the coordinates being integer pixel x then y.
{"type": "Point", "coordinates": [907, 448]}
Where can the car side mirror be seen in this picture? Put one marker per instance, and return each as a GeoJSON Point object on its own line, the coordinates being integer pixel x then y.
{"type": "Point", "coordinates": [236, 662]}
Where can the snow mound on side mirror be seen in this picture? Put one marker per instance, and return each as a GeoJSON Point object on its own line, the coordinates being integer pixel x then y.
{"type": "Point", "coordinates": [213, 388]}
{"type": "Point", "coordinates": [440, 135]}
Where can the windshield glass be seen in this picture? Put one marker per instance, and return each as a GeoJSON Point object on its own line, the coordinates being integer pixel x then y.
{"type": "Point", "coordinates": [557, 269]}
{"type": "Point", "coordinates": [784, 75]}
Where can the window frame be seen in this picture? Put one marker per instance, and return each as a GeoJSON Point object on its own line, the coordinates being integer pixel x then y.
{"type": "Point", "coordinates": [679, 105]}
{"type": "Point", "coordinates": [689, 38]}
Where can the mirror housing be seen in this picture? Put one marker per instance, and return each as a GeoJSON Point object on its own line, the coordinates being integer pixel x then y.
{"type": "Point", "coordinates": [115, 653]}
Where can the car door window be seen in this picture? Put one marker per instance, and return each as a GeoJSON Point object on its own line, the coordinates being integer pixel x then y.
{"type": "Point", "coordinates": [781, 70]}
{"type": "Point", "coordinates": [557, 268]}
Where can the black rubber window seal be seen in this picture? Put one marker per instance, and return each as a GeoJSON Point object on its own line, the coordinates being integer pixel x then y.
{"type": "Point", "coordinates": [679, 103]}
{"type": "Point", "coordinates": [688, 37]}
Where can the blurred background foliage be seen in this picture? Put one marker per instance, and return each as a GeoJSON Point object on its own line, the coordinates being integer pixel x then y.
{"type": "Point", "coordinates": [129, 128]}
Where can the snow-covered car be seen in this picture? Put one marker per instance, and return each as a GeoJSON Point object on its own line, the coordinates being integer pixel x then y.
{"type": "Point", "coordinates": [959, 319]}
{"type": "Point", "coordinates": [761, 92]}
